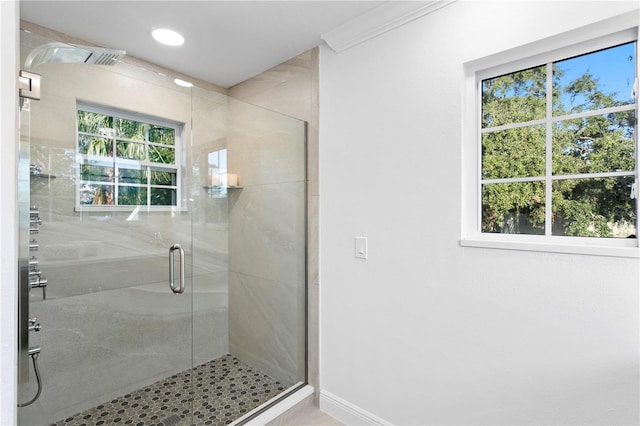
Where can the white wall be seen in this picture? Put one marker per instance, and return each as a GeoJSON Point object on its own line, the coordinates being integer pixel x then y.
{"type": "Point", "coordinates": [8, 210]}
{"type": "Point", "coordinates": [426, 331]}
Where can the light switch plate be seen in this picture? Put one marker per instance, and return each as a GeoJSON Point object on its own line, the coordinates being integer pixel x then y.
{"type": "Point", "coordinates": [361, 248]}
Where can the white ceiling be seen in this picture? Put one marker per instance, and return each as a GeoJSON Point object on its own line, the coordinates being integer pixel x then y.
{"type": "Point", "coordinates": [226, 43]}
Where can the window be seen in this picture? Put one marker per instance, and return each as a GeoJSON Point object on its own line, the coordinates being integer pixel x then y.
{"type": "Point", "coordinates": [558, 137]}
{"type": "Point", "coordinates": [126, 159]}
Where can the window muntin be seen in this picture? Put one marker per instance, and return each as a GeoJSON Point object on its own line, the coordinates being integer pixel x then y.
{"type": "Point", "coordinates": [126, 160]}
{"type": "Point", "coordinates": [558, 146]}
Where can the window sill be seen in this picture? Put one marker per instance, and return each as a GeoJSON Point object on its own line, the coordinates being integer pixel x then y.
{"type": "Point", "coordinates": [618, 250]}
{"type": "Point", "coordinates": [129, 209]}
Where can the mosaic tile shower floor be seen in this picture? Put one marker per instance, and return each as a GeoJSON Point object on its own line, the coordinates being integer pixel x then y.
{"type": "Point", "coordinates": [223, 390]}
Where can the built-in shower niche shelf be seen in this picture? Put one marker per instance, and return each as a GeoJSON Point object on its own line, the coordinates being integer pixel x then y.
{"type": "Point", "coordinates": [222, 187]}
{"type": "Point", "coordinates": [219, 191]}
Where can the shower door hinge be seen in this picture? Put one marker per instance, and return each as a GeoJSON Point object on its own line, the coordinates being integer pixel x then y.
{"type": "Point", "coordinates": [29, 85]}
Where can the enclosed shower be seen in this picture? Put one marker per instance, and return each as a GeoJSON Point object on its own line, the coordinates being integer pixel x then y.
{"type": "Point", "coordinates": [163, 248]}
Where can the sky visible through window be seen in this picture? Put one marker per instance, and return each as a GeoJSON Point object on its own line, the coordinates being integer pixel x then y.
{"type": "Point", "coordinates": [614, 68]}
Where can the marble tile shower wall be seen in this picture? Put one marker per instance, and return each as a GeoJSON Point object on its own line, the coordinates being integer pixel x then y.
{"type": "Point", "coordinates": [291, 88]}
{"type": "Point", "coordinates": [110, 323]}
{"type": "Point", "coordinates": [267, 241]}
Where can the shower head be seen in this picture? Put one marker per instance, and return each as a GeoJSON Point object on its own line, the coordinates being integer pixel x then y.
{"type": "Point", "coordinates": [71, 54]}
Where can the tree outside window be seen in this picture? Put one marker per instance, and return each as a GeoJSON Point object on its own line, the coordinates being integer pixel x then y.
{"type": "Point", "coordinates": [558, 147]}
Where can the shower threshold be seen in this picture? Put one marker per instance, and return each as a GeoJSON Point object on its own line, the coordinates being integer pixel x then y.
{"type": "Point", "coordinates": [220, 391]}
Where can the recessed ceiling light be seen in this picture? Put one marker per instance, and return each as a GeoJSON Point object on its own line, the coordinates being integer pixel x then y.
{"type": "Point", "coordinates": [182, 83]}
{"type": "Point", "coordinates": [167, 36]}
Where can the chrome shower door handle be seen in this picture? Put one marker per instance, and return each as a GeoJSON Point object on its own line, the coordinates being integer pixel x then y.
{"type": "Point", "coordinates": [180, 288]}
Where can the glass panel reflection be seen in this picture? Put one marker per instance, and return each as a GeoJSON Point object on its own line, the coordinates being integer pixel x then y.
{"type": "Point", "coordinates": [129, 129]}
{"type": "Point", "coordinates": [133, 176]}
{"type": "Point", "coordinates": [162, 154]}
{"type": "Point", "coordinates": [93, 194]}
{"type": "Point", "coordinates": [159, 177]}
{"type": "Point", "coordinates": [164, 135]}
{"type": "Point", "coordinates": [132, 195]}
{"type": "Point", "coordinates": [93, 145]}
{"type": "Point", "coordinates": [163, 197]}
{"type": "Point", "coordinates": [131, 150]}
{"type": "Point", "coordinates": [92, 122]}
{"type": "Point", "coordinates": [96, 173]}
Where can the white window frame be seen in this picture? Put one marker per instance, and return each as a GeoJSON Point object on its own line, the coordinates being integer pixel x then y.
{"type": "Point", "coordinates": [143, 118]}
{"type": "Point", "coordinates": [574, 43]}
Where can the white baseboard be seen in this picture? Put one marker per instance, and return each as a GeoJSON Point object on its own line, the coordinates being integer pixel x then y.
{"type": "Point", "coordinates": [348, 413]}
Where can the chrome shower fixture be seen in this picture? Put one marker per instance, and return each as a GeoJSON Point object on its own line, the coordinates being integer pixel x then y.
{"type": "Point", "coordinates": [72, 54]}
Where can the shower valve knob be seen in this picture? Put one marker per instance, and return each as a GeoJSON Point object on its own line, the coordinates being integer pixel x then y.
{"type": "Point", "coordinates": [33, 245]}
{"type": "Point", "coordinates": [37, 281]}
{"type": "Point", "coordinates": [34, 325]}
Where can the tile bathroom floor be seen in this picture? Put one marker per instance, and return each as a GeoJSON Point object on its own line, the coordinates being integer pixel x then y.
{"type": "Point", "coordinates": [223, 390]}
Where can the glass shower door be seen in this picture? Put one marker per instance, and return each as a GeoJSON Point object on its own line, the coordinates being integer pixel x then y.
{"type": "Point", "coordinates": [116, 341]}
{"type": "Point", "coordinates": [250, 229]}
{"type": "Point", "coordinates": [120, 343]}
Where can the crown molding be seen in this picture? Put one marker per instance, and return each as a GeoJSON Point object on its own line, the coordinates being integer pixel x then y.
{"type": "Point", "coordinates": [383, 18]}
